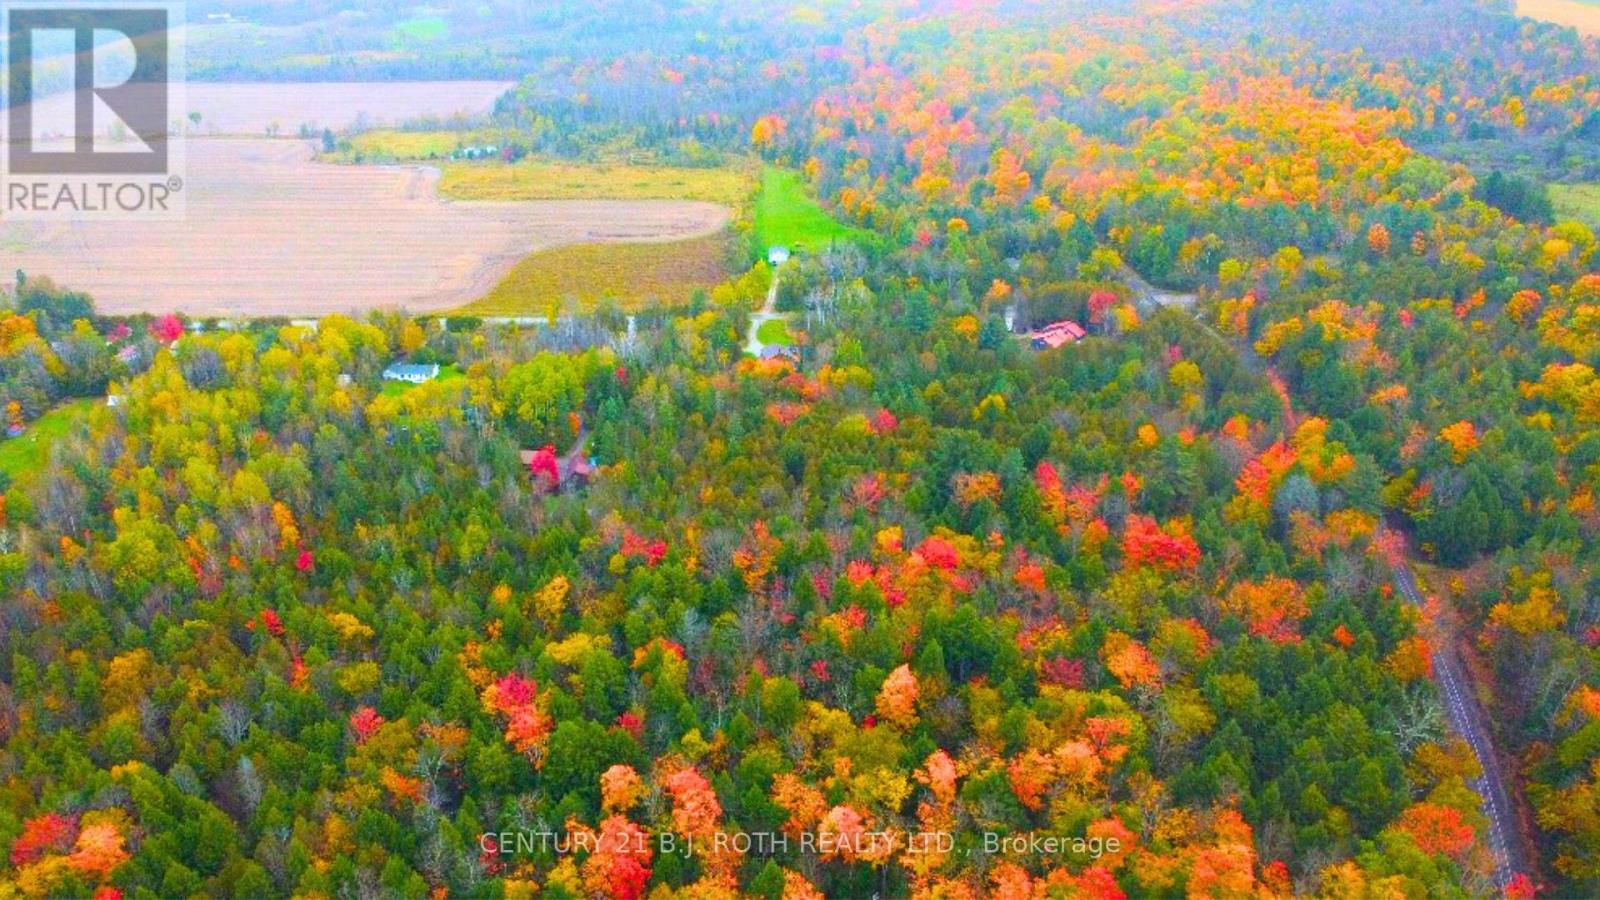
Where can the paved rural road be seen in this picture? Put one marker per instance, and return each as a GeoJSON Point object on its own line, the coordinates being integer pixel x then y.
{"type": "Point", "coordinates": [1467, 718]}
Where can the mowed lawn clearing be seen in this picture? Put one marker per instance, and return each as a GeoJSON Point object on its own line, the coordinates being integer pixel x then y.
{"type": "Point", "coordinates": [774, 331]}
{"type": "Point", "coordinates": [446, 373]}
{"type": "Point", "coordinates": [531, 179]}
{"type": "Point", "coordinates": [27, 453]}
{"type": "Point", "coordinates": [635, 275]}
{"type": "Point", "coordinates": [786, 215]}
{"type": "Point", "coordinates": [1577, 201]}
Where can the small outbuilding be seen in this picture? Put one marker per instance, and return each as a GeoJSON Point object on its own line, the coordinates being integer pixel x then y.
{"type": "Point", "coordinates": [781, 351]}
{"type": "Point", "coordinates": [777, 256]}
{"type": "Point", "coordinates": [411, 373]}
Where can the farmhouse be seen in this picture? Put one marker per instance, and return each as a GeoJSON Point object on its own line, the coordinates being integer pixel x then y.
{"type": "Point", "coordinates": [411, 373]}
{"type": "Point", "coordinates": [570, 471]}
{"type": "Point", "coordinates": [1056, 334]}
{"type": "Point", "coordinates": [777, 256]}
{"type": "Point", "coordinates": [781, 351]}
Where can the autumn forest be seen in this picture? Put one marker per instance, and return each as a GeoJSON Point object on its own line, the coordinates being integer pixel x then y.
{"type": "Point", "coordinates": [1276, 574]}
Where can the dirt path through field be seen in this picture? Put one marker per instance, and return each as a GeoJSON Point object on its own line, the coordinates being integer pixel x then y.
{"type": "Point", "coordinates": [270, 231]}
{"type": "Point", "coordinates": [768, 312]}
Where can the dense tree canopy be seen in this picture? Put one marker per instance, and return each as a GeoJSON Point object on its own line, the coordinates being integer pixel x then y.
{"type": "Point", "coordinates": [271, 629]}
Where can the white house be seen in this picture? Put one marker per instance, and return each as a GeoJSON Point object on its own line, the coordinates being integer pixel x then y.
{"type": "Point", "coordinates": [411, 373]}
{"type": "Point", "coordinates": [777, 256]}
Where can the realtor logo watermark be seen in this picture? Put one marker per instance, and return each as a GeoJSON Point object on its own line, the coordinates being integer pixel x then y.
{"type": "Point", "coordinates": [93, 111]}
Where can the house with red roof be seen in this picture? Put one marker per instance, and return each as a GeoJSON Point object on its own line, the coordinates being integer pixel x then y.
{"type": "Point", "coordinates": [571, 470]}
{"type": "Point", "coordinates": [1056, 334]}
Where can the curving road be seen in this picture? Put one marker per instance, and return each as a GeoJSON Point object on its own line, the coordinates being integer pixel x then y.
{"type": "Point", "coordinates": [1466, 715]}
{"type": "Point", "coordinates": [1468, 719]}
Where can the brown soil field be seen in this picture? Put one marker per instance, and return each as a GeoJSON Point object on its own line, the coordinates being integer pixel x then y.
{"type": "Point", "coordinates": [1583, 15]}
{"type": "Point", "coordinates": [269, 231]}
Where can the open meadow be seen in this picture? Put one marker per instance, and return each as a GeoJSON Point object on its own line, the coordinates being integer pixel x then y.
{"type": "Point", "coordinates": [634, 275]}
{"type": "Point", "coordinates": [270, 231]}
{"type": "Point", "coordinates": [1577, 201]}
{"type": "Point", "coordinates": [389, 145]}
{"type": "Point", "coordinates": [532, 179]}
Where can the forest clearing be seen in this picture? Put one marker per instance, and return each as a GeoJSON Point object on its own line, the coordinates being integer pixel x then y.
{"type": "Point", "coordinates": [27, 452]}
{"type": "Point", "coordinates": [787, 215]}
{"type": "Point", "coordinates": [1577, 201]}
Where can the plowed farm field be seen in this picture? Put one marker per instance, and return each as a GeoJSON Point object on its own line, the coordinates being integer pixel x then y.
{"type": "Point", "coordinates": [270, 231]}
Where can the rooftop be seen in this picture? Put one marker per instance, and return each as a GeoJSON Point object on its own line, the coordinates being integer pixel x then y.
{"type": "Point", "coordinates": [1057, 334]}
{"type": "Point", "coordinates": [411, 370]}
